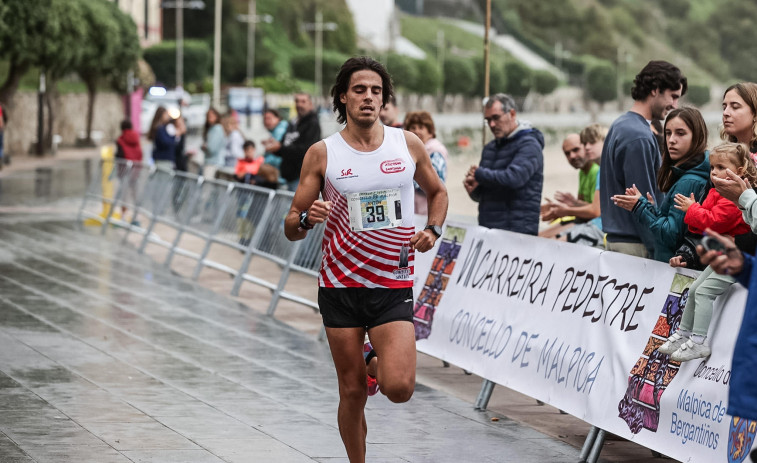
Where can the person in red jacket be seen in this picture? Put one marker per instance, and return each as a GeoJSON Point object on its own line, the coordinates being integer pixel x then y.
{"type": "Point", "coordinates": [129, 148]}
{"type": "Point", "coordinates": [722, 216]}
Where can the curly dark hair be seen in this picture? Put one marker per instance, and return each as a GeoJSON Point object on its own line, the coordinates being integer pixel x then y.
{"type": "Point", "coordinates": [342, 83]}
{"type": "Point", "coordinates": [658, 75]}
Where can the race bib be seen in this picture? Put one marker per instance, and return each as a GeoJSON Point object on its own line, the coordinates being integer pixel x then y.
{"type": "Point", "coordinates": [374, 210]}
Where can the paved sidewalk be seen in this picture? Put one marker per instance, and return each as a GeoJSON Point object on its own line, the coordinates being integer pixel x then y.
{"type": "Point", "coordinates": [108, 357]}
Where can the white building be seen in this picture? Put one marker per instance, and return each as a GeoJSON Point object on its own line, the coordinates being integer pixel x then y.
{"type": "Point", "coordinates": [148, 16]}
{"type": "Point", "coordinates": [378, 28]}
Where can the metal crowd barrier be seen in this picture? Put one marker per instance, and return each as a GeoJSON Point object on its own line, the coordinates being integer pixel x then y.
{"type": "Point", "coordinates": [243, 217]}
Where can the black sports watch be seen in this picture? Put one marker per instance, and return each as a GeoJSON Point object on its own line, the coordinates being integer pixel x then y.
{"type": "Point", "coordinates": [435, 229]}
{"type": "Point", "coordinates": [304, 221]}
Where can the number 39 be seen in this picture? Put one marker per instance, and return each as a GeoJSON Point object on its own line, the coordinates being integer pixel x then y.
{"type": "Point", "coordinates": [375, 213]}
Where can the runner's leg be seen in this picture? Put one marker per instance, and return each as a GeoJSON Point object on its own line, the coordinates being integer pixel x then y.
{"type": "Point", "coordinates": [394, 344]}
{"type": "Point", "coordinates": [346, 346]}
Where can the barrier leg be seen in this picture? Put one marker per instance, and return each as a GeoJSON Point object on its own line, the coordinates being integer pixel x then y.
{"type": "Point", "coordinates": [588, 443]}
{"type": "Point", "coordinates": [124, 174]}
{"type": "Point", "coordinates": [254, 243]}
{"type": "Point", "coordinates": [487, 387]}
{"type": "Point", "coordinates": [216, 225]}
{"type": "Point", "coordinates": [597, 447]}
{"type": "Point", "coordinates": [158, 211]}
{"type": "Point", "coordinates": [194, 198]}
{"type": "Point", "coordinates": [283, 280]}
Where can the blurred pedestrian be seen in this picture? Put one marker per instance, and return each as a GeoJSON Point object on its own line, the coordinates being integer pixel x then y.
{"type": "Point", "coordinates": [214, 142]}
{"type": "Point", "coordinates": [164, 137]}
{"type": "Point", "coordinates": [302, 132]}
{"type": "Point", "coordinates": [180, 156]}
{"type": "Point", "coordinates": [234, 150]}
{"type": "Point", "coordinates": [129, 148]}
{"type": "Point", "coordinates": [277, 127]}
{"type": "Point", "coordinates": [421, 124]}
{"type": "Point", "coordinates": [390, 114]}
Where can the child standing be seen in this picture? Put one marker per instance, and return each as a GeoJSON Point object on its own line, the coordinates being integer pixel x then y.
{"type": "Point", "coordinates": [723, 216]}
{"type": "Point", "coordinates": [248, 166]}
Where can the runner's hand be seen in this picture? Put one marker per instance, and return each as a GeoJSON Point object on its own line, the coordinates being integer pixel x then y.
{"type": "Point", "coordinates": [423, 240]}
{"type": "Point", "coordinates": [319, 212]}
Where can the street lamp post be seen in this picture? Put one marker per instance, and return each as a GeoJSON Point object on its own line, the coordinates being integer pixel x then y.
{"type": "Point", "coordinates": [217, 55]}
{"type": "Point", "coordinates": [179, 5]}
{"type": "Point", "coordinates": [180, 43]}
{"type": "Point", "coordinates": [319, 26]}
{"type": "Point", "coordinates": [252, 18]}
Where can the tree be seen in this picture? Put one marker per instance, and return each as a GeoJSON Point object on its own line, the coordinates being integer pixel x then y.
{"type": "Point", "coordinates": [428, 80]}
{"type": "Point", "coordinates": [734, 20]}
{"type": "Point", "coordinates": [698, 95]}
{"type": "Point", "coordinates": [459, 76]}
{"type": "Point", "coordinates": [496, 77]}
{"type": "Point", "coordinates": [518, 78]}
{"type": "Point", "coordinates": [600, 82]}
{"type": "Point", "coordinates": [402, 69]}
{"type": "Point", "coordinates": [545, 82]}
{"type": "Point", "coordinates": [127, 51]}
{"type": "Point", "coordinates": [67, 27]}
{"type": "Point", "coordinates": [23, 36]}
{"type": "Point", "coordinates": [162, 58]}
{"type": "Point", "coordinates": [99, 50]}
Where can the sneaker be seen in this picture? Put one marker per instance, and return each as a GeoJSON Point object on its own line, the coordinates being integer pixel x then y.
{"type": "Point", "coordinates": [368, 355]}
{"type": "Point", "coordinates": [672, 344]}
{"type": "Point", "coordinates": [690, 351]}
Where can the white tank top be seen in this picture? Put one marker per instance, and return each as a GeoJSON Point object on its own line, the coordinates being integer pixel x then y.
{"type": "Point", "coordinates": [367, 235]}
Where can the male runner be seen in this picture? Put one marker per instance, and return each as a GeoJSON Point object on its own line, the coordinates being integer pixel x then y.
{"type": "Point", "coordinates": [365, 174]}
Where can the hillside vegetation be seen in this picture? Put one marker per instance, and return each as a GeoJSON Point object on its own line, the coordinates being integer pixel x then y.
{"type": "Point", "coordinates": [709, 39]}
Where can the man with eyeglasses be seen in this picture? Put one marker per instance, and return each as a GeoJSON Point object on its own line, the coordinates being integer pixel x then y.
{"type": "Point", "coordinates": [507, 183]}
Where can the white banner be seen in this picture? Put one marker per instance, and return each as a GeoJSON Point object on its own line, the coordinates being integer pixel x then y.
{"type": "Point", "coordinates": [577, 328]}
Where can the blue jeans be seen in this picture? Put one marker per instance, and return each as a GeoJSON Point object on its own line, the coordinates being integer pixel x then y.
{"type": "Point", "coordinates": [292, 185]}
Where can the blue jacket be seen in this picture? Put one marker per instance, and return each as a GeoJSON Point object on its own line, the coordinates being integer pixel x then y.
{"type": "Point", "coordinates": [666, 222]}
{"type": "Point", "coordinates": [742, 394]}
{"type": "Point", "coordinates": [510, 178]}
{"type": "Point", "coordinates": [164, 145]}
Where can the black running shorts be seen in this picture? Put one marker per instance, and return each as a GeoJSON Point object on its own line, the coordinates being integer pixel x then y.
{"type": "Point", "coordinates": [364, 307]}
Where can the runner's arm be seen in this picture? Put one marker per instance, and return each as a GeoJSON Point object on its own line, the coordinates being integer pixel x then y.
{"type": "Point", "coordinates": [429, 182]}
{"type": "Point", "coordinates": [306, 197]}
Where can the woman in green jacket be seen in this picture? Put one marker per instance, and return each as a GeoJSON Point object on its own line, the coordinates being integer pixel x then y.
{"type": "Point", "coordinates": [685, 169]}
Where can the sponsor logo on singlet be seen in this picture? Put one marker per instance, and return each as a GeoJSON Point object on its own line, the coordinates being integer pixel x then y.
{"type": "Point", "coordinates": [393, 166]}
{"type": "Point", "coordinates": [346, 173]}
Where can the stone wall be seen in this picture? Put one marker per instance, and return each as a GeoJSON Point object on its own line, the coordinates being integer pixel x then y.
{"type": "Point", "coordinates": [70, 119]}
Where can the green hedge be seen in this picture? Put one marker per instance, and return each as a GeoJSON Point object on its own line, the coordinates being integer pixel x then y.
{"type": "Point", "coordinates": [162, 59]}
{"type": "Point", "coordinates": [545, 82]}
{"type": "Point", "coordinates": [518, 78]}
{"type": "Point", "coordinates": [698, 95]}
{"type": "Point", "coordinates": [303, 66]}
{"type": "Point", "coordinates": [459, 76]}
{"type": "Point", "coordinates": [601, 81]}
